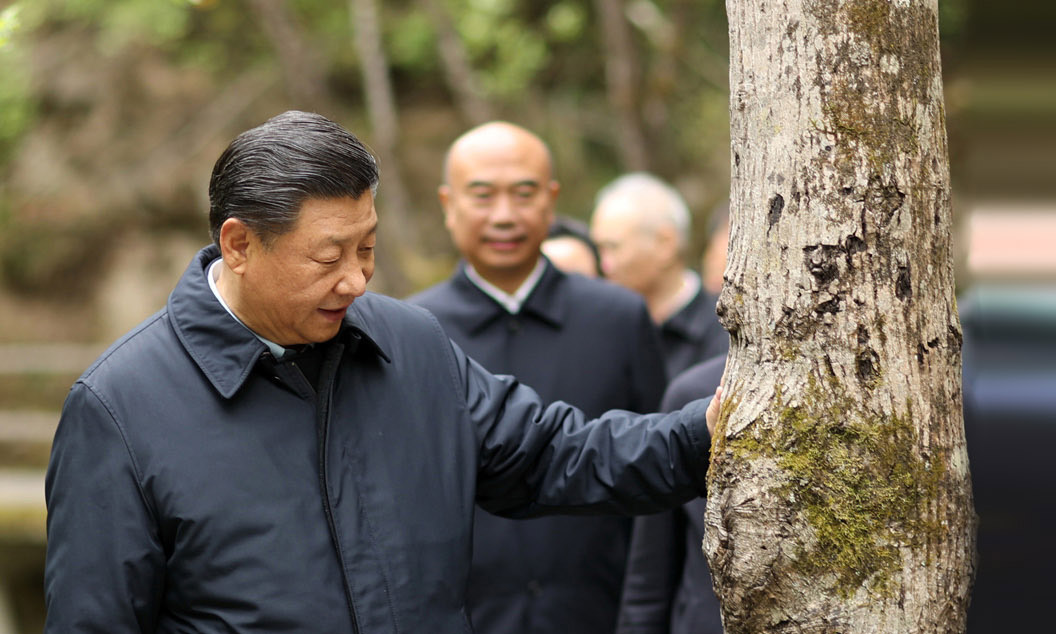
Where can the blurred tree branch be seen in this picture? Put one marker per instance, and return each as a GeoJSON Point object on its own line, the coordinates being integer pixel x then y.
{"type": "Point", "coordinates": [301, 66]}
{"type": "Point", "coordinates": [457, 70]}
{"type": "Point", "coordinates": [622, 80]}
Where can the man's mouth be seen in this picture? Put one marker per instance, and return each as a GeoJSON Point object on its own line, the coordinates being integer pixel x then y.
{"type": "Point", "coordinates": [508, 244]}
{"type": "Point", "coordinates": [334, 314]}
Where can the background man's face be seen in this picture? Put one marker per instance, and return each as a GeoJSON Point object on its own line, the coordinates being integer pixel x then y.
{"type": "Point", "coordinates": [630, 255]}
{"type": "Point", "coordinates": [297, 290]}
{"type": "Point", "coordinates": [498, 205]}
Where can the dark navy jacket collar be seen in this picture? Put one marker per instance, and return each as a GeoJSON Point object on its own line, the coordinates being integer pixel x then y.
{"type": "Point", "coordinates": [225, 350]}
{"type": "Point", "coordinates": [545, 303]}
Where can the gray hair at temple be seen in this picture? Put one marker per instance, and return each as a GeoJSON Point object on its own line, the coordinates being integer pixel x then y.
{"type": "Point", "coordinates": [266, 173]}
{"type": "Point", "coordinates": [660, 204]}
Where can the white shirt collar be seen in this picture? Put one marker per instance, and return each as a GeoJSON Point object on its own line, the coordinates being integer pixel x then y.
{"type": "Point", "coordinates": [512, 303]}
{"type": "Point", "coordinates": [213, 274]}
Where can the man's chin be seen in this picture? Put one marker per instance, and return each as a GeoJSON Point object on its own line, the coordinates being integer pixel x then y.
{"type": "Point", "coordinates": [323, 334]}
{"type": "Point", "coordinates": [511, 261]}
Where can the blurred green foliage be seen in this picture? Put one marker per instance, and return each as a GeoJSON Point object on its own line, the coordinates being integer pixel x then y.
{"type": "Point", "coordinates": [94, 91]}
{"type": "Point", "coordinates": [118, 22]}
{"type": "Point", "coordinates": [15, 103]}
{"type": "Point", "coordinates": [9, 23]}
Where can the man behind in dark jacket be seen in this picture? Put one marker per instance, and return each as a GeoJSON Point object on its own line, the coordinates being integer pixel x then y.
{"type": "Point", "coordinates": [641, 226]}
{"type": "Point", "coordinates": [668, 589]}
{"type": "Point", "coordinates": [278, 450]}
{"type": "Point", "coordinates": [573, 339]}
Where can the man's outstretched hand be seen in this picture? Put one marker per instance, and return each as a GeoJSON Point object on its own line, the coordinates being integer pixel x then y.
{"type": "Point", "coordinates": [713, 410]}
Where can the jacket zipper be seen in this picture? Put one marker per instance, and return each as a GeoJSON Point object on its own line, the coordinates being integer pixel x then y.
{"type": "Point", "coordinates": [323, 403]}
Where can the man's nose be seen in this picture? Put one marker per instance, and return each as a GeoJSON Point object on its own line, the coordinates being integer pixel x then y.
{"type": "Point", "coordinates": [606, 263]}
{"type": "Point", "coordinates": [502, 212]}
{"type": "Point", "coordinates": [353, 281]}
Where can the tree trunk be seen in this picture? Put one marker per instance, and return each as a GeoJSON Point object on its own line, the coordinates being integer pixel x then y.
{"type": "Point", "coordinates": [839, 495]}
{"type": "Point", "coordinates": [621, 84]}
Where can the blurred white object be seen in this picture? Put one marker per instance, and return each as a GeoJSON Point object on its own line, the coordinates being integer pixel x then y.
{"type": "Point", "coordinates": [1012, 240]}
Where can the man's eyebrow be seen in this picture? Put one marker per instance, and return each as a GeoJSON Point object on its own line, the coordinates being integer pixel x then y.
{"type": "Point", "coordinates": [528, 182]}
{"type": "Point", "coordinates": [341, 240]}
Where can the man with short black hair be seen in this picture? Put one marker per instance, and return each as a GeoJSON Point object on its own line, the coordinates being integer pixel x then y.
{"type": "Point", "coordinates": [278, 450]}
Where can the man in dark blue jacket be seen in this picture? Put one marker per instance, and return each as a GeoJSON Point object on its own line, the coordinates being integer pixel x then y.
{"type": "Point", "coordinates": [573, 339]}
{"type": "Point", "coordinates": [279, 451]}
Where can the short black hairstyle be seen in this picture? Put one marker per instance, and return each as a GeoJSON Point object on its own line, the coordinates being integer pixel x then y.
{"type": "Point", "coordinates": [266, 173]}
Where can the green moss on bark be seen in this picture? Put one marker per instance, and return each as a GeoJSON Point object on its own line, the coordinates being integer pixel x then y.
{"type": "Point", "coordinates": [857, 478]}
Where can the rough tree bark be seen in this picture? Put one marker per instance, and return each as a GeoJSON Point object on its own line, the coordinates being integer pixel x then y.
{"type": "Point", "coordinates": [839, 495]}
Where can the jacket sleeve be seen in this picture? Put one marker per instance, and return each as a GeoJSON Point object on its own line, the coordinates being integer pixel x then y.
{"type": "Point", "coordinates": [538, 459]}
{"type": "Point", "coordinates": [105, 566]}
{"type": "Point", "coordinates": [654, 567]}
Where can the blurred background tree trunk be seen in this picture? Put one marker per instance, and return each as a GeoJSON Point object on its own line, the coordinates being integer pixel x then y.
{"type": "Point", "coordinates": [459, 73]}
{"type": "Point", "coordinates": [303, 69]}
{"type": "Point", "coordinates": [839, 494]}
{"type": "Point", "coordinates": [622, 77]}
{"type": "Point", "coordinates": [305, 76]}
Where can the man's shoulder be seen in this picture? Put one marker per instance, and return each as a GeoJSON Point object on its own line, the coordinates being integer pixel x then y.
{"type": "Point", "coordinates": [438, 294]}
{"type": "Point", "coordinates": [701, 305]}
{"type": "Point", "coordinates": [697, 381]}
{"type": "Point", "coordinates": [392, 320]}
{"type": "Point", "coordinates": [152, 340]}
{"type": "Point", "coordinates": [456, 302]}
{"type": "Point", "coordinates": [601, 296]}
{"type": "Point", "coordinates": [374, 305]}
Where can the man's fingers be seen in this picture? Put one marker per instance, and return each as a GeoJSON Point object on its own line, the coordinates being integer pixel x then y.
{"type": "Point", "coordinates": [713, 411]}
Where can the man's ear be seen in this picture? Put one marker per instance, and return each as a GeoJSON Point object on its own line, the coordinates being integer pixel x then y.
{"type": "Point", "coordinates": [443, 192]}
{"type": "Point", "coordinates": [235, 238]}
{"type": "Point", "coordinates": [553, 188]}
{"type": "Point", "coordinates": [667, 240]}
